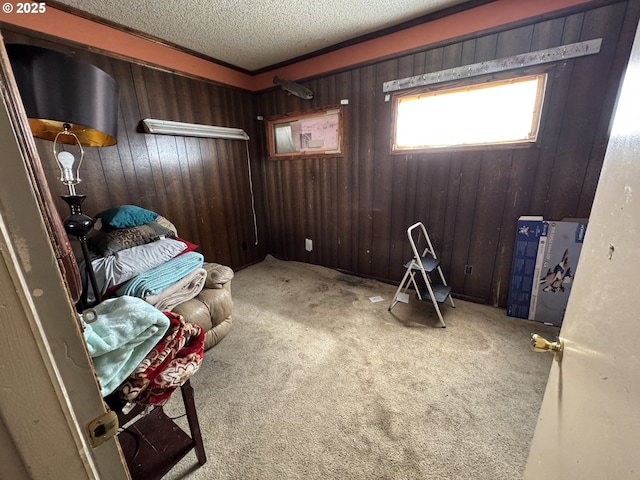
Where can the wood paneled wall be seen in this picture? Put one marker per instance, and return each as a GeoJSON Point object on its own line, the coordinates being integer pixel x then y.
{"type": "Point", "coordinates": [356, 209]}
{"type": "Point", "coordinates": [201, 185]}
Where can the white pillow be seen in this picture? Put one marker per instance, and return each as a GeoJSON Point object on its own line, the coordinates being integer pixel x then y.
{"type": "Point", "coordinates": [130, 262]}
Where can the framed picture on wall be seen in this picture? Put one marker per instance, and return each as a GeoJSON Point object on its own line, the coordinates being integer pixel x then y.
{"type": "Point", "coordinates": [316, 133]}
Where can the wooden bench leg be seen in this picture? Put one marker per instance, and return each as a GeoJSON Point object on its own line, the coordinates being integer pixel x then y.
{"type": "Point", "coordinates": [192, 418]}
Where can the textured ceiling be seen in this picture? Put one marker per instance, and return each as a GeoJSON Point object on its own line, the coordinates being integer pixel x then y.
{"type": "Point", "coordinates": [255, 34]}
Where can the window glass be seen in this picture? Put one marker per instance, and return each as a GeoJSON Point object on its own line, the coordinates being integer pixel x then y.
{"type": "Point", "coordinates": [503, 112]}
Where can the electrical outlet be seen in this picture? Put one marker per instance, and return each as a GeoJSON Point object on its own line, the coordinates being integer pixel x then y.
{"type": "Point", "coordinates": [308, 244]}
{"type": "Point", "coordinates": [468, 269]}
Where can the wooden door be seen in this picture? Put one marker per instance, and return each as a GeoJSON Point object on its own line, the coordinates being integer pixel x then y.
{"type": "Point", "coordinates": [49, 390]}
{"type": "Point", "coordinates": [589, 423]}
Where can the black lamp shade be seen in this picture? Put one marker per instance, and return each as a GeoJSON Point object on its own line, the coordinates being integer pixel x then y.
{"type": "Point", "coordinates": [57, 89]}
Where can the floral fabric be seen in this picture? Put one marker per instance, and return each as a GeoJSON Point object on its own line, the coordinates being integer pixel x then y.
{"type": "Point", "coordinates": [167, 366]}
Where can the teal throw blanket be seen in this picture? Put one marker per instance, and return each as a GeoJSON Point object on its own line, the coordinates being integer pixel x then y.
{"type": "Point", "coordinates": [126, 330]}
{"type": "Point", "coordinates": [163, 276]}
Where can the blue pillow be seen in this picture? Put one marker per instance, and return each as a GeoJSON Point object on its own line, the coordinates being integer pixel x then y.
{"type": "Point", "coordinates": [126, 216]}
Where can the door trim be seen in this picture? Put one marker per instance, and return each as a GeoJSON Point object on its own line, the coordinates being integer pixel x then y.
{"type": "Point", "coordinates": [50, 390]}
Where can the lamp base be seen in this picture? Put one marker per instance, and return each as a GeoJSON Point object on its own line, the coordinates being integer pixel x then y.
{"type": "Point", "coordinates": [79, 225]}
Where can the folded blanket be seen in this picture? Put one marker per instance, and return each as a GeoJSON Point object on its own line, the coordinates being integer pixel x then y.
{"type": "Point", "coordinates": [126, 330]}
{"type": "Point", "coordinates": [184, 289]}
{"type": "Point", "coordinates": [171, 362]}
{"type": "Point", "coordinates": [157, 279]}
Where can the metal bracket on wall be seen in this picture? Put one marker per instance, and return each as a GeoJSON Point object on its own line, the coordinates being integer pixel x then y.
{"type": "Point", "coordinates": [539, 57]}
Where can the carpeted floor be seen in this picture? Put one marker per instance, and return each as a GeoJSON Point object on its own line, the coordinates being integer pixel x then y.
{"type": "Point", "coordinates": [316, 381]}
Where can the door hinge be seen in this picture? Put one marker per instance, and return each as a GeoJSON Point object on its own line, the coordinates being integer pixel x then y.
{"type": "Point", "coordinates": [102, 428]}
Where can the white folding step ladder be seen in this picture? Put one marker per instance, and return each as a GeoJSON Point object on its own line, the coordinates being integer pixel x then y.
{"type": "Point", "coordinates": [425, 263]}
